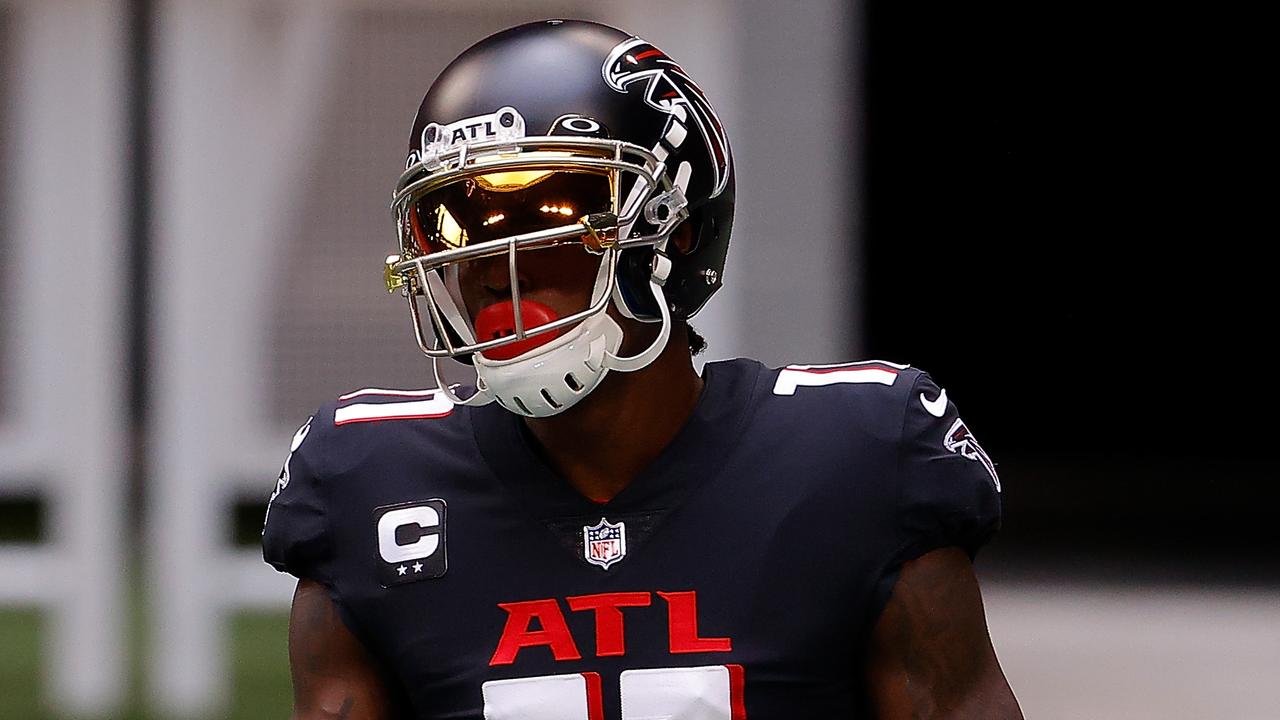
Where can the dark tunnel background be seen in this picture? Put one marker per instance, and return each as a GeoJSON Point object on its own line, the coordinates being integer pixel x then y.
{"type": "Point", "coordinates": [1064, 225]}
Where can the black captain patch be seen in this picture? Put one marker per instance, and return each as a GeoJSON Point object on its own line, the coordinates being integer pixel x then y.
{"type": "Point", "coordinates": [411, 541]}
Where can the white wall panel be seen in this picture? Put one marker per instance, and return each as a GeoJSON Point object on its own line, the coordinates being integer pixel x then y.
{"type": "Point", "coordinates": [63, 428]}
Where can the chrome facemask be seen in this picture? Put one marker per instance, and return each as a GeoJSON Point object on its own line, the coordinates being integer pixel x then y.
{"type": "Point", "coordinates": [423, 271]}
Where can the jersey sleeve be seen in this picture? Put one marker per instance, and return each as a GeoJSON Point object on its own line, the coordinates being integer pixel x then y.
{"type": "Point", "coordinates": [949, 491]}
{"type": "Point", "coordinates": [295, 534]}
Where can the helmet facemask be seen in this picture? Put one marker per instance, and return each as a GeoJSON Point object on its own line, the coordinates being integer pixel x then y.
{"type": "Point", "coordinates": [496, 203]}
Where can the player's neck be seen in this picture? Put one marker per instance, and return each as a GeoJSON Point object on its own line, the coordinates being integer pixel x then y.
{"type": "Point", "coordinates": [602, 443]}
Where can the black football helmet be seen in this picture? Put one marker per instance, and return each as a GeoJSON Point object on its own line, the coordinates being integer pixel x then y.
{"type": "Point", "coordinates": [561, 133]}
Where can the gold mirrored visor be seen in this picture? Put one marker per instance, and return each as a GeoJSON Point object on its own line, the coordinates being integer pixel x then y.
{"type": "Point", "coordinates": [483, 207]}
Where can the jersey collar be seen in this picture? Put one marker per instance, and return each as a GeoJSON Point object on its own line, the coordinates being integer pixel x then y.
{"type": "Point", "coordinates": [695, 454]}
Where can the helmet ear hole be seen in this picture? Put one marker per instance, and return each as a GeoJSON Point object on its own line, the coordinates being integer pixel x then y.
{"type": "Point", "coordinates": [683, 239]}
{"type": "Point", "coordinates": [635, 265]}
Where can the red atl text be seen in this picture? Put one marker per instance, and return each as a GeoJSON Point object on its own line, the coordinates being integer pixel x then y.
{"type": "Point", "coordinates": [553, 632]}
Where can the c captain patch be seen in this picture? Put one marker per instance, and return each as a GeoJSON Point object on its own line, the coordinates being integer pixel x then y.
{"type": "Point", "coordinates": [604, 543]}
{"type": "Point", "coordinates": [411, 541]}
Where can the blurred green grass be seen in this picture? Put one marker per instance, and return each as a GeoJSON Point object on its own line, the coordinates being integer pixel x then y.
{"type": "Point", "coordinates": [259, 668]}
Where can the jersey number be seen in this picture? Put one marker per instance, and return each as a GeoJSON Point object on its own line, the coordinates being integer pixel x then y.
{"type": "Point", "coordinates": [713, 692]}
{"type": "Point", "coordinates": [794, 376]}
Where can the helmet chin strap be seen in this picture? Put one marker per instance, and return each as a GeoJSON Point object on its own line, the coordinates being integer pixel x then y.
{"type": "Point", "coordinates": [479, 397]}
{"type": "Point", "coordinates": [551, 378]}
{"type": "Point", "coordinates": [661, 268]}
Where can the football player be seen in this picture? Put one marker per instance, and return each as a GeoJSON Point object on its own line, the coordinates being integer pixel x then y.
{"type": "Point", "coordinates": [594, 530]}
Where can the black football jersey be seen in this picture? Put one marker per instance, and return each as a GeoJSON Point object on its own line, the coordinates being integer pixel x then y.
{"type": "Point", "coordinates": [739, 576]}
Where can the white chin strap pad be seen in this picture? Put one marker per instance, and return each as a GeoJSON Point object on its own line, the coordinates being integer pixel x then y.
{"type": "Point", "coordinates": [552, 378]}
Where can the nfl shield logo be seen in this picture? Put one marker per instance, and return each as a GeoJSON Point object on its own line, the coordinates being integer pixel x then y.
{"type": "Point", "coordinates": [604, 543]}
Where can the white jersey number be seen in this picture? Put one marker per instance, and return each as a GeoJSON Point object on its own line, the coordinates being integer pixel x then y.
{"type": "Point", "coordinates": [872, 371]}
{"type": "Point", "coordinates": [712, 692]}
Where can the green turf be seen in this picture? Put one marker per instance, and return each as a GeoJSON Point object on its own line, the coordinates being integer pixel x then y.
{"type": "Point", "coordinates": [19, 664]}
{"type": "Point", "coordinates": [261, 686]}
{"type": "Point", "coordinates": [260, 672]}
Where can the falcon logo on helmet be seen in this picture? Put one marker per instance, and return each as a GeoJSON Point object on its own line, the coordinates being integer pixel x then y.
{"type": "Point", "coordinates": [669, 89]}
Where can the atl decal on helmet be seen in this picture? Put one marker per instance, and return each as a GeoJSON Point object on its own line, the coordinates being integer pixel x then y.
{"type": "Point", "coordinates": [502, 124]}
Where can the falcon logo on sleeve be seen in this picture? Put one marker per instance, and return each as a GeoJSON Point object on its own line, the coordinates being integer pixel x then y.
{"type": "Point", "coordinates": [960, 441]}
{"type": "Point", "coordinates": [282, 481]}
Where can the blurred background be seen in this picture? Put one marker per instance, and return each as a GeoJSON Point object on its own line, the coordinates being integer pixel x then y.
{"type": "Point", "coordinates": [1056, 210]}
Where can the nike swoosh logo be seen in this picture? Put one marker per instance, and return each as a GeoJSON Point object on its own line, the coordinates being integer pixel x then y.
{"type": "Point", "coordinates": [938, 407]}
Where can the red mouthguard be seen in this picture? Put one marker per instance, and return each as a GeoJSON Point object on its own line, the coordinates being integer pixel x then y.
{"type": "Point", "coordinates": [499, 321]}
